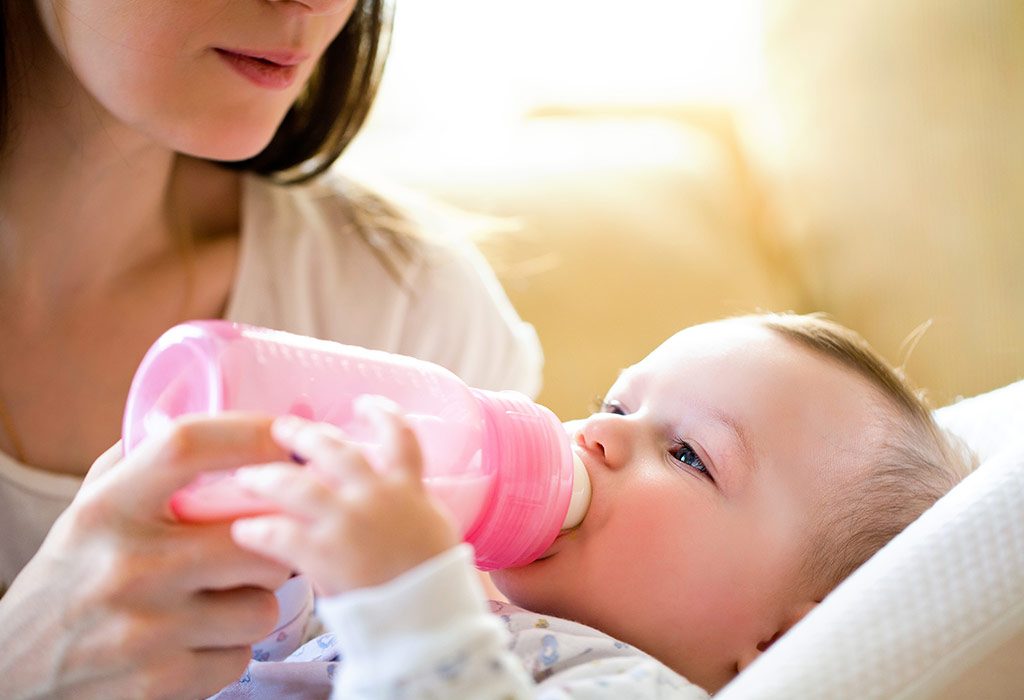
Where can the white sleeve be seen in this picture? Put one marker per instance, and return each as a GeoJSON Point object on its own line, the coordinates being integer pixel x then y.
{"type": "Point", "coordinates": [429, 634]}
{"type": "Point", "coordinates": [425, 634]}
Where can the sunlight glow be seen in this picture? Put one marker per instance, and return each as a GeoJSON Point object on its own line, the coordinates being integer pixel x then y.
{"type": "Point", "coordinates": [467, 60]}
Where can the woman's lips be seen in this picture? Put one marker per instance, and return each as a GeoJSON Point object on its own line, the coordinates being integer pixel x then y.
{"type": "Point", "coordinates": [275, 70]}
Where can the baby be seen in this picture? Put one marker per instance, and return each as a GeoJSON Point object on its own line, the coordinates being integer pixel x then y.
{"type": "Point", "coordinates": [740, 472]}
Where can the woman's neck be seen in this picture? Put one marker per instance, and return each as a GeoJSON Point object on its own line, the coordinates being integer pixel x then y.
{"type": "Point", "coordinates": [78, 215]}
{"type": "Point", "coordinates": [84, 198]}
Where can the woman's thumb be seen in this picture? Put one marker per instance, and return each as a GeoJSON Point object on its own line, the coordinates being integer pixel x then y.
{"type": "Point", "coordinates": [104, 463]}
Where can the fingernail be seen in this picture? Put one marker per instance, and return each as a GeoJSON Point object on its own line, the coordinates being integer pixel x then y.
{"type": "Point", "coordinates": [250, 475]}
{"type": "Point", "coordinates": [285, 427]}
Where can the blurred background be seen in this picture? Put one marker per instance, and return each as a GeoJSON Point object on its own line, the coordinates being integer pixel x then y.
{"type": "Point", "coordinates": [648, 165]}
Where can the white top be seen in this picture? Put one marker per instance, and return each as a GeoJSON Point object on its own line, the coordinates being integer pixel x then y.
{"type": "Point", "coordinates": [303, 268]}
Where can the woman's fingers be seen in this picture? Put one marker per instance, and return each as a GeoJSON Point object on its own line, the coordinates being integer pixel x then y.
{"type": "Point", "coordinates": [163, 588]}
{"type": "Point", "coordinates": [204, 620]}
{"type": "Point", "coordinates": [211, 670]}
{"type": "Point", "coordinates": [180, 673]}
{"type": "Point", "coordinates": [231, 618]}
{"type": "Point", "coordinates": [208, 558]}
{"type": "Point", "coordinates": [143, 482]}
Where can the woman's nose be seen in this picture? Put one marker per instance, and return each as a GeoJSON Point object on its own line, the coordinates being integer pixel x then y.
{"type": "Point", "coordinates": [608, 436]}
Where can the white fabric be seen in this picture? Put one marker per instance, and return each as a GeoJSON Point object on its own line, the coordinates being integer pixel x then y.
{"type": "Point", "coordinates": [419, 629]}
{"type": "Point", "coordinates": [303, 269]}
{"type": "Point", "coordinates": [988, 423]}
{"type": "Point", "coordinates": [30, 501]}
{"type": "Point", "coordinates": [942, 595]}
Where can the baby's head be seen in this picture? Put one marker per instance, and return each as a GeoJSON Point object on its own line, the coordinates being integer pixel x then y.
{"type": "Point", "coordinates": [740, 472]}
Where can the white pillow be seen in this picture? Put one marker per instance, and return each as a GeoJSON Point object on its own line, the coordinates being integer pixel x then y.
{"type": "Point", "coordinates": [987, 422]}
{"type": "Point", "coordinates": [939, 611]}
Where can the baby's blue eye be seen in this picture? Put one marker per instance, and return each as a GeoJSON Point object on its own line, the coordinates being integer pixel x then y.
{"type": "Point", "coordinates": [682, 452]}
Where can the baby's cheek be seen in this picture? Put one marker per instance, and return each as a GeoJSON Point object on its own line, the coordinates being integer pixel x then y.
{"type": "Point", "coordinates": [689, 549]}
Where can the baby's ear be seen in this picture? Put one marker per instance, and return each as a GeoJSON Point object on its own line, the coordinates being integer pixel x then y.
{"type": "Point", "coordinates": [790, 618]}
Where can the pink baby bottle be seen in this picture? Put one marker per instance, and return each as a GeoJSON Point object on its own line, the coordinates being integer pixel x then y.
{"type": "Point", "coordinates": [501, 463]}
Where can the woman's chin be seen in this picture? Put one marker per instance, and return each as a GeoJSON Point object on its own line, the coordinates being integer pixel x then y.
{"type": "Point", "coordinates": [225, 153]}
{"type": "Point", "coordinates": [225, 145]}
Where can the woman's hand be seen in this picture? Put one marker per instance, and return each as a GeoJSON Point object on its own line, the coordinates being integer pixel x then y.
{"type": "Point", "coordinates": [342, 522]}
{"type": "Point", "coordinates": [122, 601]}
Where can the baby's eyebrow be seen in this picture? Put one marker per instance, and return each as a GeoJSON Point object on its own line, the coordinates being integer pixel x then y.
{"type": "Point", "coordinates": [635, 379]}
{"type": "Point", "coordinates": [737, 429]}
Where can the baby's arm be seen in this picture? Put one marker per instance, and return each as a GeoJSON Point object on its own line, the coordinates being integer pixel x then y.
{"type": "Point", "coordinates": [404, 601]}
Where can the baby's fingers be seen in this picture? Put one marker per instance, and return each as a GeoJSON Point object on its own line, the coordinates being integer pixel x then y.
{"type": "Point", "coordinates": [324, 446]}
{"type": "Point", "coordinates": [276, 537]}
{"type": "Point", "coordinates": [295, 490]}
{"type": "Point", "coordinates": [400, 448]}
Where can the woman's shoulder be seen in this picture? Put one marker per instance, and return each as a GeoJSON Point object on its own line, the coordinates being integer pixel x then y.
{"type": "Point", "coordinates": [338, 259]}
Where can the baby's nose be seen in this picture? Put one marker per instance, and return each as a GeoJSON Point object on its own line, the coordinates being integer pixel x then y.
{"type": "Point", "coordinates": [607, 435]}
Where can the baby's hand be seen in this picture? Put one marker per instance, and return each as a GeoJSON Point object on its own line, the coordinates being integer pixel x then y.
{"type": "Point", "coordinates": [342, 522]}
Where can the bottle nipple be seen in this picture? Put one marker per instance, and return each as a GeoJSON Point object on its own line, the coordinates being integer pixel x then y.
{"type": "Point", "coordinates": [579, 502]}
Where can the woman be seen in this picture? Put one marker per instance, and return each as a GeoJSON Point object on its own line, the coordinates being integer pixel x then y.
{"type": "Point", "coordinates": [143, 146]}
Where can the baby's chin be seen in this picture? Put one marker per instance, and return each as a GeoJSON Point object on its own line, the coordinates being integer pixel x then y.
{"type": "Point", "coordinates": [536, 587]}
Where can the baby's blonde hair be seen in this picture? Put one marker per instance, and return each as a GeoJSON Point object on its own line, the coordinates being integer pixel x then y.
{"type": "Point", "coordinates": [915, 463]}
